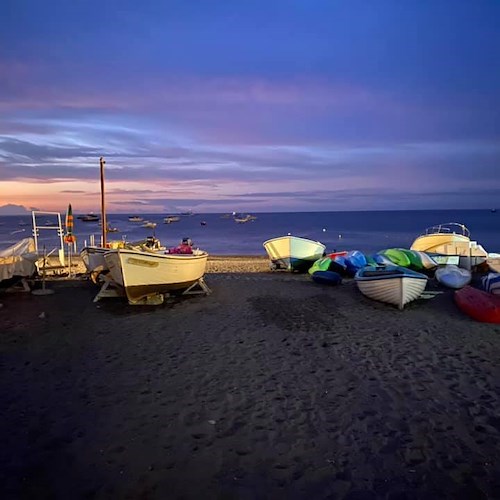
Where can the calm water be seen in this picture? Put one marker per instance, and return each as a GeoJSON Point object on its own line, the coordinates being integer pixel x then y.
{"type": "Point", "coordinates": [365, 231]}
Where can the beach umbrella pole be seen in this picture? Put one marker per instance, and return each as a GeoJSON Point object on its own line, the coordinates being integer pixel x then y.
{"type": "Point", "coordinates": [102, 162]}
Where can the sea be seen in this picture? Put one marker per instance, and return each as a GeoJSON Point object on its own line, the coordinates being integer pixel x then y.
{"type": "Point", "coordinates": [219, 234]}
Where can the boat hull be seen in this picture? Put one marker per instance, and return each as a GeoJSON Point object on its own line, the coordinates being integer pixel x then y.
{"type": "Point", "coordinates": [493, 262]}
{"type": "Point", "coordinates": [326, 278]}
{"type": "Point", "coordinates": [293, 253]}
{"type": "Point", "coordinates": [491, 283]}
{"type": "Point", "coordinates": [392, 285]}
{"type": "Point", "coordinates": [144, 274]}
{"type": "Point", "coordinates": [438, 243]}
{"type": "Point", "coordinates": [479, 305]}
{"type": "Point", "coordinates": [453, 276]}
{"type": "Point", "coordinates": [452, 239]}
{"type": "Point", "coordinates": [93, 258]}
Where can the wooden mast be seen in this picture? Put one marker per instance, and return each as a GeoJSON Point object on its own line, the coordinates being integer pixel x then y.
{"type": "Point", "coordinates": [103, 204]}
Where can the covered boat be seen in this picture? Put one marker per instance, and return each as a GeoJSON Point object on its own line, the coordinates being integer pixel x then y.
{"type": "Point", "coordinates": [293, 253]}
{"type": "Point", "coordinates": [147, 276]}
{"type": "Point", "coordinates": [18, 262]}
{"type": "Point", "coordinates": [391, 284]}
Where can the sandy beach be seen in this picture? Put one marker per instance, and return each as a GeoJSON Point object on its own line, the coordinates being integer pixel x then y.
{"type": "Point", "coordinates": [271, 387]}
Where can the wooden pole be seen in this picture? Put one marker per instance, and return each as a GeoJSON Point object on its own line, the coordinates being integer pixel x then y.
{"type": "Point", "coordinates": [103, 204]}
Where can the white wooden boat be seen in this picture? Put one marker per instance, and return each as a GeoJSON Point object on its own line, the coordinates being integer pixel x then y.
{"type": "Point", "coordinates": [451, 238]}
{"type": "Point", "coordinates": [453, 276]}
{"type": "Point", "coordinates": [147, 276]}
{"type": "Point", "coordinates": [293, 253]}
{"type": "Point", "coordinates": [391, 284]}
{"type": "Point", "coordinates": [93, 256]}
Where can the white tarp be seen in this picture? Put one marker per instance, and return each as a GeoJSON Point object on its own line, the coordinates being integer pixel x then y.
{"type": "Point", "coordinates": [18, 260]}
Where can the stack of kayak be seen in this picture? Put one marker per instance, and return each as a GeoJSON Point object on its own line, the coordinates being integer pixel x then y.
{"type": "Point", "coordinates": [331, 268]}
{"type": "Point", "coordinates": [327, 271]}
{"type": "Point", "coordinates": [389, 276]}
{"type": "Point", "coordinates": [399, 276]}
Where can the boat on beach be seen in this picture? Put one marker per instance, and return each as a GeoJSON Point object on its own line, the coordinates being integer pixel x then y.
{"type": "Point", "coordinates": [394, 285]}
{"type": "Point", "coordinates": [453, 276]}
{"type": "Point", "coordinates": [493, 262]}
{"type": "Point", "coordinates": [478, 304]}
{"type": "Point", "coordinates": [293, 253]}
{"type": "Point", "coordinates": [147, 276]}
{"type": "Point", "coordinates": [453, 239]}
{"type": "Point", "coordinates": [491, 283]}
{"type": "Point", "coordinates": [18, 262]}
{"type": "Point", "coordinates": [93, 256]}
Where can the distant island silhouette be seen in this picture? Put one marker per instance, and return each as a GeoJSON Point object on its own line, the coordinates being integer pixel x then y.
{"type": "Point", "coordinates": [11, 209]}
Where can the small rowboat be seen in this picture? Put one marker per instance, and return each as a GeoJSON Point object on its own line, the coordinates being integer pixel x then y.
{"type": "Point", "coordinates": [391, 284]}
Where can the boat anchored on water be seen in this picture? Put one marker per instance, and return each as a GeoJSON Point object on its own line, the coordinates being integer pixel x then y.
{"type": "Point", "coordinates": [89, 218]}
{"type": "Point", "coordinates": [135, 218]}
{"type": "Point", "coordinates": [171, 218]}
{"type": "Point", "coordinates": [241, 219]}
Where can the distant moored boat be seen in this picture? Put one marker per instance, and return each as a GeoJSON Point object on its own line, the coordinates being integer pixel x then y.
{"type": "Point", "coordinates": [89, 218]}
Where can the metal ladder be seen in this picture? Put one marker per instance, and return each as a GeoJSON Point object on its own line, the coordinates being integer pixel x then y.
{"type": "Point", "coordinates": [56, 227]}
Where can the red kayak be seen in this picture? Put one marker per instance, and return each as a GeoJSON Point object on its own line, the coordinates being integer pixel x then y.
{"type": "Point", "coordinates": [480, 305]}
{"type": "Point", "coordinates": [337, 254]}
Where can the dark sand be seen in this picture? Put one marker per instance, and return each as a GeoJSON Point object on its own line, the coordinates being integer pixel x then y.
{"type": "Point", "coordinates": [272, 387]}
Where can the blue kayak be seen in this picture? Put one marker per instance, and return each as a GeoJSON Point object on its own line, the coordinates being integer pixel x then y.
{"type": "Point", "coordinates": [327, 278]}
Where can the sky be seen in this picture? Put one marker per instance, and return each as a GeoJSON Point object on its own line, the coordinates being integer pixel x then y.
{"type": "Point", "coordinates": [257, 106]}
